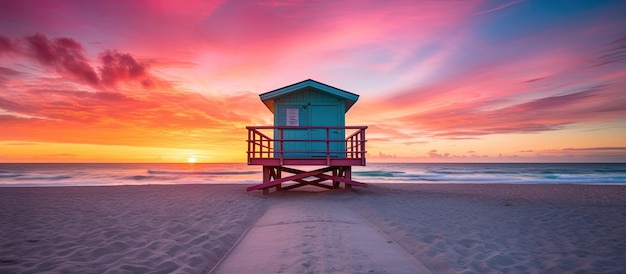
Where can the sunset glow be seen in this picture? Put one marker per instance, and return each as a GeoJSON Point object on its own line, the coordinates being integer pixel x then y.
{"type": "Point", "coordinates": [458, 81]}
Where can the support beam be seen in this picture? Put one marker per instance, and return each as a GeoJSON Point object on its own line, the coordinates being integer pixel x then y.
{"type": "Point", "coordinates": [300, 175]}
{"type": "Point", "coordinates": [272, 177]}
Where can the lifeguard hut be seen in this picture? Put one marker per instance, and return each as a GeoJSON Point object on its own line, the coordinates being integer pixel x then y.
{"type": "Point", "coordinates": [309, 130]}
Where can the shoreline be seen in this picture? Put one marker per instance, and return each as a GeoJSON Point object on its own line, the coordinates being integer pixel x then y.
{"type": "Point", "coordinates": [189, 228]}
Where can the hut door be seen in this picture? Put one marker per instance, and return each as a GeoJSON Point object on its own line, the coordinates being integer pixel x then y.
{"type": "Point", "coordinates": [325, 116]}
{"type": "Point", "coordinates": [292, 115]}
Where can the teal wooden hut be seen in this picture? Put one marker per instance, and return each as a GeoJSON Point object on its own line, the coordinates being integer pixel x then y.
{"type": "Point", "coordinates": [310, 103]}
{"type": "Point", "coordinates": [309, 129]}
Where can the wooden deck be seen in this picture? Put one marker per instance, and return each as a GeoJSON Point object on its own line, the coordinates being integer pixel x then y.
{"type": "Point", "coordinates": [264, 150]}
{"type": "Point", "coordinates": [337, 154]}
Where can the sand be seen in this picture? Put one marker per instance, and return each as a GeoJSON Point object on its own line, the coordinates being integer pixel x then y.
{"type": "Point", "coordinates": [122, 229]}
{"type": "Point", "coordinates": [446, 228]}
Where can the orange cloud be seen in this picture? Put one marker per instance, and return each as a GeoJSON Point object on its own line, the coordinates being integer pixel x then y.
{"type": "Point", "coordinates": [118, 113]}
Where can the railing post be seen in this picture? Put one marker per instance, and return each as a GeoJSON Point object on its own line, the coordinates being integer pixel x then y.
{"type": "Point", "coordinates": [269, 148]}
{"type": "Point", "coordinates": [352, 147]}
{"type": "Point", "coordinates": [327, 146]}
{"type": "Point", "coordinates": [260, 144]}
{"type": "Point", "coordinates": [282, 137]}
{"type": "Point", "coordinates": [363, 146]}
{"type": "Point", "coordinates": [254, 144]}
{"type": "Point", "coordinates": [248, 153]}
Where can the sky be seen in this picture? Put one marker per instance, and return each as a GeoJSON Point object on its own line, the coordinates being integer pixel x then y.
{"type": "Point", "coordinates": [439, 81]}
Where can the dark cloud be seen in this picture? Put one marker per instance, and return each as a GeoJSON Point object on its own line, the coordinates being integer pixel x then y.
{"type": "Point", "coordinates": [62, 155]}
{"type": "Point", "coordinates": [120, 67]}
{"type": "Point", "coordinates": [533, 80]}
{"type": "Point", "coordinates": [615, 52]}
{"type": "Point", "coordinates": [67, 57]}
{"type": "Point", "coordinates": [597, 148]}
{"type": "Point", "coordinates": [21, 144]}
{"type": "Point", "coordinates": [385, 155]}
{"type": "Point", "coordinates": [413, 142]}
{"type": "Point", "coordinates": [6, 119]}
{"type": "Point", "coordinates": [82, 106]}
{"type": "Point", "coordinates": [461, 121]}
{"type": "Point", "coordinates": [111, 96]}
{"type": "Point", "coordinates": [8, 72]}
{"type": "Point", "coordinates": [11, 105]}
{"type": "Point", "coordinates": [559, 101]}
{"type": "Point", "coordinates": [64, 54]}
{"type": "Point", "coordinates": [434, 154]}
{"type": "Point", "coordinates": [6, 45]}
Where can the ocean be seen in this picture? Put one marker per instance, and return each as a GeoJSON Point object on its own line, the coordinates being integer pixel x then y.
{"type": "Point", "coordinates": [30, 175]}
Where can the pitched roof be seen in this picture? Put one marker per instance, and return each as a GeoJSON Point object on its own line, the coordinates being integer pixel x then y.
{"type": "Point", "coordinates": [268, 97]}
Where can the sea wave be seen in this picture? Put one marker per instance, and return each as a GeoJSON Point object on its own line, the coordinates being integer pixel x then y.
{"type": "Point", "coordinates": [378, 173]}
{"type": "Point", "coordinates": [514, 176]}
{"type": "Point", "coordinates": [10, 175]}
{"type": "Point", "coordinates": [452, 171]}
{"type": "Point", "coordinates": [398, 177]}
{"type": "Point", "coordinates": [44, 178]}
{"type": "Point", "coordinates": [178, 172]}
{"type": "Point", "coordinates": [144, 177]}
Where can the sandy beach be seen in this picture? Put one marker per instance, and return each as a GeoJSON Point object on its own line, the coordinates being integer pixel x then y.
{"type": "Point", "coordinates": [444, 228]}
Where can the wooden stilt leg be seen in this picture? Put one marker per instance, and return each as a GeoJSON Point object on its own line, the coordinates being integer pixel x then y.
{"type": "Point", "coordinates": [336, 172]}
{"type": "Point", "coordinates": [267, 176]}
{"type": "Point", "coordinates": [277, 175]}
{"type": "Point", "coordinates": [347, 173]}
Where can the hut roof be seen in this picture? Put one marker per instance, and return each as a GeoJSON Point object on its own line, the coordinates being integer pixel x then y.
{"type": "Point", "coordinates": [269, 97]}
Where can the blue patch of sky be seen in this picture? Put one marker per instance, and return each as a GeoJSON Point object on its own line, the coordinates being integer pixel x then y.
{"type": "Point", "coordinates": [532, 17]}
{"type": "Point", "coordinates": [504, 30]}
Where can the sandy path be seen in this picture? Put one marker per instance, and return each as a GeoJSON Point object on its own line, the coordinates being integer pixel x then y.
{"type": "Point", "coordinates": [313, 236]}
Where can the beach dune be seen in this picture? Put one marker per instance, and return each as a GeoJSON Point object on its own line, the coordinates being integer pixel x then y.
{"type": "Point", "coordinates": [440, 228]}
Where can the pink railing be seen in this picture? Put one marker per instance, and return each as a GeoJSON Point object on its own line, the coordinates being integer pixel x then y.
{"type": "Point", "coordinates": [261, 146]}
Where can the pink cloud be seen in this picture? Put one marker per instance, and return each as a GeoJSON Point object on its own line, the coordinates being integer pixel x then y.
{"type": "Point", "coordinates": [500, 7]}
{"type": "Point", "coordinates": [327, 36]}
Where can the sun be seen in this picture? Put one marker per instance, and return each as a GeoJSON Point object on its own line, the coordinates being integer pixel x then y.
{"type": "Point", "coordinates": [191, 159]}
